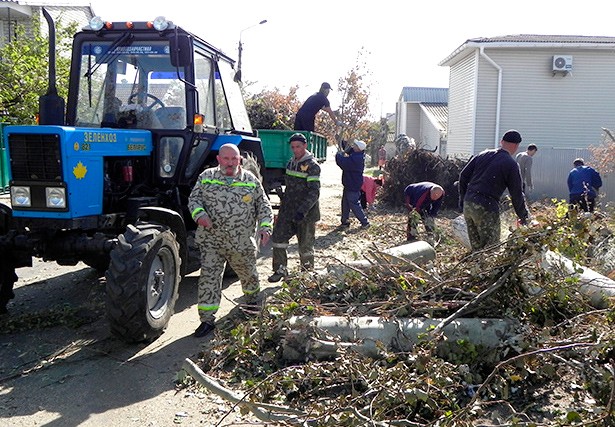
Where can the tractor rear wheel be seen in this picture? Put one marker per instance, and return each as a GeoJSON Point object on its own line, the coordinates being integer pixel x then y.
{"type": "Point", "coordinates": [142, 282]}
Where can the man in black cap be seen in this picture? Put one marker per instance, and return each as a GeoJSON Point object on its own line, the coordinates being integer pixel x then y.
{"type": "Point", "coordinates": [305, 117]}
{"type": "Point", "coordinates": [481, 185]}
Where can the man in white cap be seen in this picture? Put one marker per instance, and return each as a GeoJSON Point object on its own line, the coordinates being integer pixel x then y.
{"type": "Point", "coordinates": [305, 117]}
{"type": "Point", "coordinates": [352, 163]}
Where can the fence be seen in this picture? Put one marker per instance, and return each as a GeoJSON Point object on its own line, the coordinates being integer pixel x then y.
{"type": "Point", "coordinates": [550, 173]}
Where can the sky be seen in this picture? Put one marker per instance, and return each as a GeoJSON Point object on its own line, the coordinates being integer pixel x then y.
{"type": "Point", "coordinates": [401, 42]}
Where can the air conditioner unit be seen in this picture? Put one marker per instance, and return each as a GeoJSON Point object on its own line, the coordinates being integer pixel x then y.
{"type": "Point", "coordinates": [562, 63]}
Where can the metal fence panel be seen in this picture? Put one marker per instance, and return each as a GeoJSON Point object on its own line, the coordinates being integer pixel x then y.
{"type": "Point", "coordinates": [550, 173]}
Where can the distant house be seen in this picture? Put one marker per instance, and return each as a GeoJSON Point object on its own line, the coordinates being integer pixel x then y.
{"type": "Point", "coordinates": [558, 91]}
{"type": "Point", "coordinates": [15, 13]}
{"type": "Point", "coordinates": [422, 114]}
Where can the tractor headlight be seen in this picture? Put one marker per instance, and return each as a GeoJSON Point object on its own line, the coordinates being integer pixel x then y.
{"type": "Point", "coordinates": [20, 197]}
{"type": "Point", "coordinates": [55, 197]}
{"type": "Point", "coordinates": [161, 23]}
{"type": "Point", "coordinates": [96, 23]}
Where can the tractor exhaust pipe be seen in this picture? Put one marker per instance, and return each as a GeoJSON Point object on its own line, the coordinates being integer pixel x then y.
{"type": "Point", "coordinates": [51, 105]}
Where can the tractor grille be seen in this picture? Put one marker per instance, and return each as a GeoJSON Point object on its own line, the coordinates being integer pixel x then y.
{"type": "Point", "coordinates": [35, 157]}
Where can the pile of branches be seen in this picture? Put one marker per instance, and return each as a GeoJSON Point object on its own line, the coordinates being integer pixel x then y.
{"type": "Point", "coordinates": [566, 345]}
{"type": "Point", "coordinates": [420, 165]}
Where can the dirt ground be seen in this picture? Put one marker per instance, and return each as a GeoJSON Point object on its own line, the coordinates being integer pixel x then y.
{"type": "Point", "coordinates": [59, 366]}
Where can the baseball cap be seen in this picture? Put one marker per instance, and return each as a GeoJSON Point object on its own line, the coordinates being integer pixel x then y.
{"type": "Point", "coordinates": [360, 144]}
{"type": "Point", "coordinates": [297, 137]}
{"type": "Point", "coordinates": [325, 85]}
{"type": "Point", "coordinates": [512, 136]}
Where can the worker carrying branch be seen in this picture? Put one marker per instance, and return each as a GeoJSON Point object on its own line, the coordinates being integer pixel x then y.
{"type": "Point", "coordinates": [306, 116]}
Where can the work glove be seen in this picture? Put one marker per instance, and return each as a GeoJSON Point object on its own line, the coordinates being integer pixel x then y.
{"type": "Point", "coordinates": [299, 217]}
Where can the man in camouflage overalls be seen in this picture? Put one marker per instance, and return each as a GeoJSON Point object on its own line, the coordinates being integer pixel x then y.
{"type": "Point", "coordinates": [229, 204]}
{"type": "Point", "coordinates": [299, 209]}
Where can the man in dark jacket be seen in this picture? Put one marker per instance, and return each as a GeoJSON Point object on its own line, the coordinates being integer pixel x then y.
{"type": "Point", "coordinates": [352, 163]}
{"type": "Point", "coordinates": [299, 209]}
{"type": "Point", "coordinates": [583, 184]}
{"type": "Point", "coordinates": [481, 185]}
{"type": "Point", "coordinates": [305, 117]}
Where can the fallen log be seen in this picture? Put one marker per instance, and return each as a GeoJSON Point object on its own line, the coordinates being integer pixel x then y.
{"type": "Point", "coordinates": [418, 252]}
{"type": "Point", "coordinates": [592, 284]}
{"type": "Point", "coordinates": [324, 337]}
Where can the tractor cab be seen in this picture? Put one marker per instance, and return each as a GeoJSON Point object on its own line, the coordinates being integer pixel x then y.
{"type": "Point", "coordinates": [158, 77]}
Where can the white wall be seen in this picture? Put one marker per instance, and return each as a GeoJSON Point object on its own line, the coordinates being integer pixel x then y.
{"type": "Point", "coordinates": [461, 107]}
{"type": "Point", "coordinates": [549, 110]}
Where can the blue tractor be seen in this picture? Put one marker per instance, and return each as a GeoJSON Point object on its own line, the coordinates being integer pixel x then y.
{"type": "Point", "coordinates": [106, 179]}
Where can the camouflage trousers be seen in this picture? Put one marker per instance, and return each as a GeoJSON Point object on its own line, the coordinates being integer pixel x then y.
{"type": "Point", "coordinates": [283, 230]}
{"type": "Point", "coordinates": [213, 263]}
{"type": "Point", "coordinates": [483, 225]}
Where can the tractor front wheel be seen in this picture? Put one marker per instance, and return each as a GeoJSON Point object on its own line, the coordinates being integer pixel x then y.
{"type": "Point", "coordinates": [7, 280]}
{"type": "Point", "coordinates": [142, 282]}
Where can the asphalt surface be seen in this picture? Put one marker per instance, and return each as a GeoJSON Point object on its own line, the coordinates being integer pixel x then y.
{"type": "Point", "coordinates": [59, 365]}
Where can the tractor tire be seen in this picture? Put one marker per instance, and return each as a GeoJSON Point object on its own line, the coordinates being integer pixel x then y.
{"type": "Point", "coordinates": [99, 263]}
{"type": "Point", "coordinates": [142, 282]}
{"type": "Point", "coordinates": [7, 280]}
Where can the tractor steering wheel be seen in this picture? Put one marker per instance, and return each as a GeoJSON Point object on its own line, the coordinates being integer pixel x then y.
{"type": "Point", "coordinates": [155, 101]}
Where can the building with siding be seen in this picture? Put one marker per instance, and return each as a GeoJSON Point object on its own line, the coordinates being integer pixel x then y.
{"type": "Point", "coordinates": [422, 114]}
{"type": "Point", "coordinates": [21, 12]}
{"type": "Point", "coordinates": [558, 91]}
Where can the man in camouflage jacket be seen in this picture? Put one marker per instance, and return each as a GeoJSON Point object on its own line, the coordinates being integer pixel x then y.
{"type": "Point", "coordinates": [299, 209]}
{"type": "Point", "coordinates": [229, 204]}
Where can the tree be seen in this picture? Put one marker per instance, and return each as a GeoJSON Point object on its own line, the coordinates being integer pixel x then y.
{"type": "Point", "coordinates": [354, 107]}
{"type": "Point", "coordinates": [24, 71]}
{"type": "Point", "coordinates": [271, 109]}
{"type": "Point", "coordinates": [604, 154]}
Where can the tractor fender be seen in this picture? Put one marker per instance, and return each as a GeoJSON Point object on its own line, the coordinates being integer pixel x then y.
{"type": "Point", "coordinates": [175, 222]}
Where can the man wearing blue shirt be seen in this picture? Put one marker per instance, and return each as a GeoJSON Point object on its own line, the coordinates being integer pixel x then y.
{"type": "Point", "coordinates": [352, 163]}
{"type": "Point", "coordinates": [424, 198]}
{"type": "Point", "coordinates": [583, 184]}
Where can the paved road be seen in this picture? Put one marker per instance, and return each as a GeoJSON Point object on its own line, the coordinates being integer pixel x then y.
{"type": "Point", "coordinates": [63, 375]}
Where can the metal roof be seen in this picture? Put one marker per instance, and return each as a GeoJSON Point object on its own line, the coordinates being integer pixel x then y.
{"type": "Point", "coordinates": [12, 10]}
{"type": "Point", "coordinates": [424, 94]}
{"type": "Point", "coordinates": [532, 41]}
{"type": "Point", "coordinates": [438, 113]}
{"type": "Point", "coordinates": [539, 38]}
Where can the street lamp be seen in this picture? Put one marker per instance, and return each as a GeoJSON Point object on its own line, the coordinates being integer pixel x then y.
{"type": "Point", "coordinates": [238, 73]}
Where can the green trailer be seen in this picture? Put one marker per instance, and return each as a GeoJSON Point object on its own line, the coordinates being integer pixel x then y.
{"type": "Point", "coordinates": [277, 152]}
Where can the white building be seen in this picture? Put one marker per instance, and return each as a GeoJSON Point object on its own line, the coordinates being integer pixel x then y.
{"type": "Point", "coordinates": [557, 91]}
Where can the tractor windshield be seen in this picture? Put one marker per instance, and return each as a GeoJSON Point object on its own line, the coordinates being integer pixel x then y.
{"type": "Point", "coordinates": [130, 86]}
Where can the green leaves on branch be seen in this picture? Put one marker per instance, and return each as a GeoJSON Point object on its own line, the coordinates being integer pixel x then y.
{"type": "Point", "coordinates": [24, 70]}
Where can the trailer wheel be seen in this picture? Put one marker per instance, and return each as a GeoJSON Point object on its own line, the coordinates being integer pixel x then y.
{"type": "Point", "coordinates": [142, 282]}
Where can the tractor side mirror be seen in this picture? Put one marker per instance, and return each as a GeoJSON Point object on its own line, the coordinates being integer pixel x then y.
{"type": "Point", "coordinates": [181, 50]}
